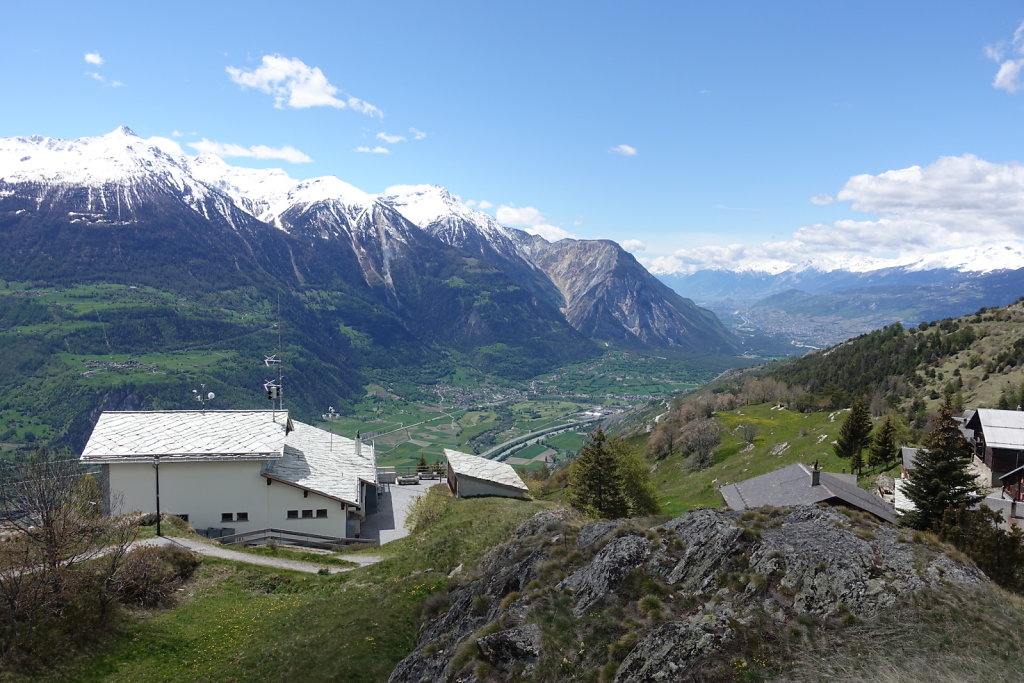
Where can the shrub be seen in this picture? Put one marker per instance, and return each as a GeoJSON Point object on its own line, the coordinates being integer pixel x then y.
{"type": "Point", "coordinates": [149, 575]}
{"type": "Point", "coordinates": [426, 510]}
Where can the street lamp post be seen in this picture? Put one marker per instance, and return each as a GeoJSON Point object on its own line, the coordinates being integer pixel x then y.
{"type": "Point", "coordinates": [156, 466]}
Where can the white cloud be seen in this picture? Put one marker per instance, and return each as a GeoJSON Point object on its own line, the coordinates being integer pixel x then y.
{"type": "Point", "coordinates": [822, 199]}
{"type": "Point", "coordinates": [417, 134]}
{"type": "Point", "coordinates": [519, 217]}
{"type": "Point", "coordinates": [624, 150]}
{"type": "Point", "coordinates": [484, 205]}
{"type": "Point", "coordinates": [102, 79]}
{"type": "Point", "coordinates": [167, 145]}
{"type": "Point", "coordinates": [295, 84]}
{"type": "Point", "coordinates": [175, 133]}
{"type": "Point", "coordinates": [93, 58]}
{"type": "Point", "coordinates": [551, 233]}
{"type": "Point", "coordinates": [391, 139]}
{"type": "Point", "coordinates": [1008, 76]}
{"type": "Point", "coordinates": [227, 149]}
{"type": "Point", "coordinates": [532, 221]}
{"type": "Point", "coordinates": [633, 245]}
{"type": "Point", "coordinates": [952, 202]}
{"type": "Point", "coordinates": [373, 150]}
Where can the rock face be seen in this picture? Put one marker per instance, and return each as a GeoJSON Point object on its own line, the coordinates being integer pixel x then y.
{"type": "Point", "coordinates": [682, 601]}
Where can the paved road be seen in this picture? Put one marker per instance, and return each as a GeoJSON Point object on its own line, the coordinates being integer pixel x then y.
{"type": "Point", "coordinates": [388, 523]}
{"type": "Point", "coordinates": [262, 560]}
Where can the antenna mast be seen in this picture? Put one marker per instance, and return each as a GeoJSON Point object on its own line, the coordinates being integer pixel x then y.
{"type": "Point", "coordinates": [275, 390]}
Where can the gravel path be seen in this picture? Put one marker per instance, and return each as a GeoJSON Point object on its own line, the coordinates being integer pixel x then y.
{"type": "Point", "coordinates": [262, 560]}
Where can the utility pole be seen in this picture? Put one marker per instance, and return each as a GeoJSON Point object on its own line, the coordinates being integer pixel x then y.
{"type": "Point", "coordinates": [156, 466]}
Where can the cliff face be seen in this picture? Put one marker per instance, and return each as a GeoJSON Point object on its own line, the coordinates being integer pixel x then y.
{"type": "Point", "coordinates": [705, 596]}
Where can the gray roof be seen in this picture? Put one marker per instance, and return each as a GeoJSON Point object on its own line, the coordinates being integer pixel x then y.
{"type": "Point", "coordinates": [323, 462]}
{"type": "Point", "coordinates": [791, 485]}
{"type": "Point", "coordinates": [1002, 428]}
{"type": "Point", "coordinates": [466, 465]}
{"type": "Point", "coordinates": [909, 458]}
{"type": "Point", "coordinates": [186, 435]}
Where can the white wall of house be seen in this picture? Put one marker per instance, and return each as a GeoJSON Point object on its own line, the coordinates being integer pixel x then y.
{"type": "Point", "coordinates": [469, 487]}
{"type": "Point", "coordinates": [205, 491]}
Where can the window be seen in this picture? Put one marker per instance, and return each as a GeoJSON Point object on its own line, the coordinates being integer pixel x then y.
{"type": "Point", "coordinates": [227, 517]}
{"type": "Point", "coordinates": [307, 514]}
{"type": "Point", "coordinates": [293, 514]}
{"type": "Point", "coordinates": [305, 494]}
{"type": "Point", "coordinates": [322, 513]}
{"type": "Point", "coordinates": [242, 517]}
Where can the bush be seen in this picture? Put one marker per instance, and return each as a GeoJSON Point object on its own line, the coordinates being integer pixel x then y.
{"type": "Point", "coordinates": [426, 510]}
{"type": "Point", "coordinates": [149, 575]}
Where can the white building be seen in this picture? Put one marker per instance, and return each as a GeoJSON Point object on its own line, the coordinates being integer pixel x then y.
{"type": "Point", "coordinates": [471, 475]}
{"type": "Point", "coordinates": [242, 469]}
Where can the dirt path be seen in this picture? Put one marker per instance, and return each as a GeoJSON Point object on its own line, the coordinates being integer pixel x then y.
{"type": "Point", "coordinates": [262, 560]}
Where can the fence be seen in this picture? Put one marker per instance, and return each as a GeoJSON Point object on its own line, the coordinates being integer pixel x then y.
{"type": "Point", "coordinates": [286, 537]}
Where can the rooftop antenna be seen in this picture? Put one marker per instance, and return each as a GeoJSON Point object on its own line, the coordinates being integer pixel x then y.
{"type": "Point", "coordinates": [202, 395]}
{"type": "Point", "coordinates": [275, 390]}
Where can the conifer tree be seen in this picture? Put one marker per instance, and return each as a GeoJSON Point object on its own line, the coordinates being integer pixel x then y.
{"type": "Point", "coordinates": [641, 497]}
{"type": "Point", "coordinates": [941, 479]}
{"type": "Point", "coordinates": [854, 435]}
{"type": "Point", "coordinates": [595, 480]}
{"type": "Point", "coordinates": [883, 445]}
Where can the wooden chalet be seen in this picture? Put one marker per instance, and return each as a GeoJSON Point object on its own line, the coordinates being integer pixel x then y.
{"type": "Point", "coordinates": [998, 440]}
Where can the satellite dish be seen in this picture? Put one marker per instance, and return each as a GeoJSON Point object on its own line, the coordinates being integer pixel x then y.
{"type": "Point", "coordinates": [210, 395]}
{"type": "Point", "coordinates": [194, 391]}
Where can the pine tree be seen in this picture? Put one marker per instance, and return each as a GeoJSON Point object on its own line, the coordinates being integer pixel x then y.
{"type": "Point", "coordinates": [641, 497]}
{"type": "Point", "coordinates": [595, 481]}
{"type": "Point", "coordinates": [854, 435]}
{"type": "Point", "coordinates": [941, 479]}
{"type": "Point", "coordinates": [883, 445]}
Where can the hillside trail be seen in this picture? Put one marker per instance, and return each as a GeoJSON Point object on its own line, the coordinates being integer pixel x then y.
{"type": "Point", "coordinates": [237, 556]}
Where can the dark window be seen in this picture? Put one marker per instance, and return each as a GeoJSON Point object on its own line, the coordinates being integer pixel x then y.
{"type": "Point", "coordinates": [293, 514]}
{"type": "Point", "coordinates": [322, 513]}
{"type": "Point", "coordinates": [305, 494]}
{"type": "Point", "coordinates": [307, 514]}
{"type": "Point", "coordinates": [227, 517]}
{"type": "Point", "coordinates": [242, 517]}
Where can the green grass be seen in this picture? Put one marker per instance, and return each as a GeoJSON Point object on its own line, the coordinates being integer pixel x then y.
{"type": "Point", "coordinates": [809, 436]}
{"type": "Point", "coordinates": [254, 624]}
{"type": "Point", "coordinates": [295, 554]}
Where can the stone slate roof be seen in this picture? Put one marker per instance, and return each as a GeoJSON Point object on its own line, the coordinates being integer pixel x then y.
{"type": "Point", "coordinates": [909, 458]}
{"type": "Point", "coordinates": [791, 485]}
{"type": "Point", "coordinates": [1002, 428]}
{"type": "Point", "coordinates": [466, 465]}
{"type": "Point", "coordinates": [186, 435]}
{"type": "Point", "coordinates": [323, 462]}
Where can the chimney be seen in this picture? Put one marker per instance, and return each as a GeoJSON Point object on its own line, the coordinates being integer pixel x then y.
{"type": "Point", "coordinates": [359, 444]}
{"type": "Point", "coordinates": [815, 475]}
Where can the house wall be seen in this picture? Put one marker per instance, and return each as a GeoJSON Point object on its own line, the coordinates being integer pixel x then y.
{"type": "Point", "coordinates": [469, 487]}
{"type": "Point", "coordinates": [206, 490]}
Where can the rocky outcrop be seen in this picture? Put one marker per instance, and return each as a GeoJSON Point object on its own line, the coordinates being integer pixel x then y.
{"type": "Point", "coordinates": [692, 599]}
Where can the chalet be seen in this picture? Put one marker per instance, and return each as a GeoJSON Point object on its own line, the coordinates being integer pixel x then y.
{"type": "Point", "coordinates": [998, 440]}
{"type": "Point", "coordinates": [801, 485]}
{"type": "Point", "coordinates": [245, 470]}
{"type": "Point", "coordinates": [471, 475]}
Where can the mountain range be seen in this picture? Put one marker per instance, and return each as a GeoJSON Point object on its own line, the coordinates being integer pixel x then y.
{"type": "Point", "coordinates": [820, 306]}
{"type": "Point", "coordinates": [408, 279]}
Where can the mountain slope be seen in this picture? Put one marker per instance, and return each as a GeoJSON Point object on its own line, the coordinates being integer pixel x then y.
{"type": "Point", "coordinates": [602, 290]}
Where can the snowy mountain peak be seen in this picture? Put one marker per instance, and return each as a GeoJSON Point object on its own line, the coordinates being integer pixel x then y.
{"type": "Point", "coordinates": [425, 204]}
{"type": "Point", "coordinates": [122, 131]}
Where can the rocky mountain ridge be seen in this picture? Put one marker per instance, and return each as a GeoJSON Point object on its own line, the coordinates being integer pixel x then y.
{"type": "Point", "coordinates": [690, 599]}
{"type": "Point", "coordinates": [393, 248]}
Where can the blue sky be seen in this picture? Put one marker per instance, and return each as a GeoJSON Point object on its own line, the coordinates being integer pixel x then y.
{"type": "Point", "coordinates": [694, 133]}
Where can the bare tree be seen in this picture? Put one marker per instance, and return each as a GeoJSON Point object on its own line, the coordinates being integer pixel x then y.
{"type": "Point", "coordinates": [699, 439]}
{"type": "Point", "coordinates": [54, 524]}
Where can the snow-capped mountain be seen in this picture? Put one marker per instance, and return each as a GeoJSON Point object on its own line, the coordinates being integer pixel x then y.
{"type": "Point", "coordinates": [449, 273]}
